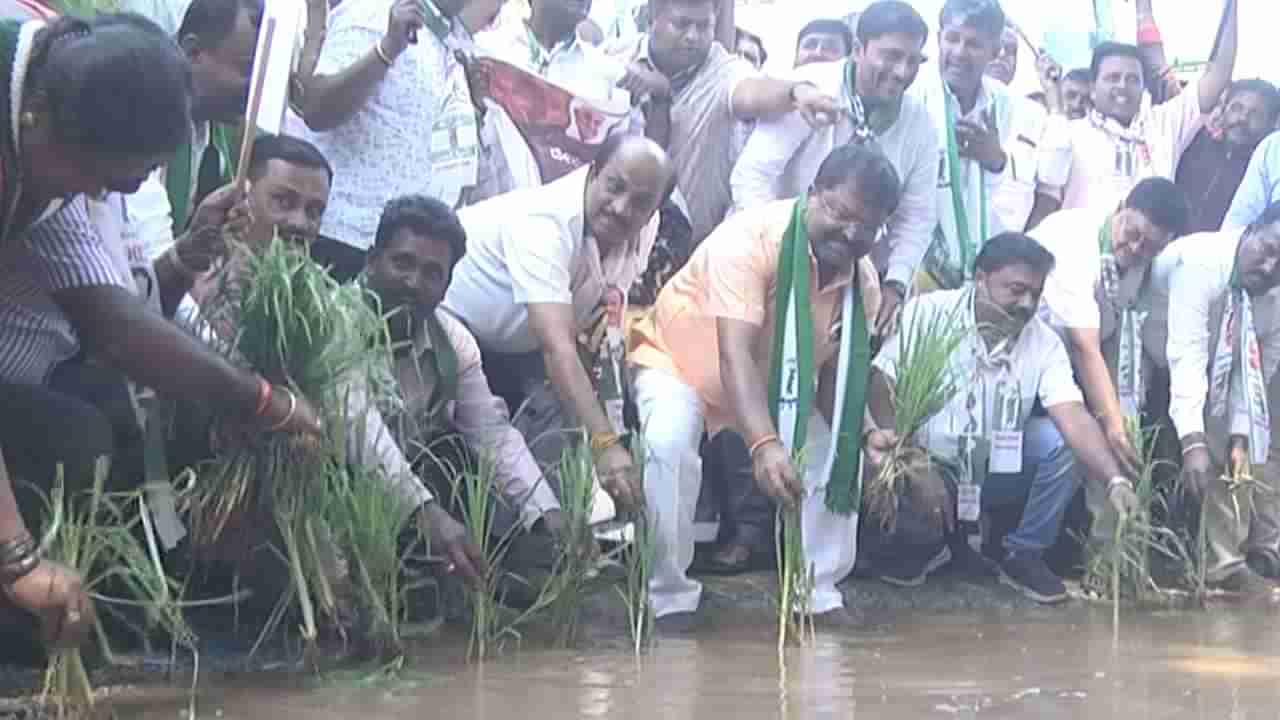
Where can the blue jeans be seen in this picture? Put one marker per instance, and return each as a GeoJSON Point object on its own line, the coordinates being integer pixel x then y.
{"type": "Point", "coordinates": [1048, 480]}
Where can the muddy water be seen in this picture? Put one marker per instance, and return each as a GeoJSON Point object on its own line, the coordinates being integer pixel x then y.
{"type": "Point", "coordinates": [1224, 664]}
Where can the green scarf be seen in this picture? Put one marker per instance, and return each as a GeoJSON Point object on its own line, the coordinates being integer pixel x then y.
{"type": "Point", "coordinates": [1130, 383]}
{"type": "Point", "coordinates": [792, 378]}
{"type": "Point", "coordinates": [444, 361]}
{"type": "Point", "coordinates": [180, 177]}
{"type": "Point", "coordinates": [1239, 351]}
{"type": "Point", "coordinates": [964, 236]}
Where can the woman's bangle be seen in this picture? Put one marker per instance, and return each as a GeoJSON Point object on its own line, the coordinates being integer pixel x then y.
{"type": "Point", "coordinates": [771, 437]}
{"type": "Point", "coordinates": [293, 408]}
{"type": "Point", "coordinates": [18, 558]}
{"type": "Point", "coordinates": [1193, 446]}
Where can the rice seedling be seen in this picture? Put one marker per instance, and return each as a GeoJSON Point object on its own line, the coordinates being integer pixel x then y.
{"type": "Point", "coordinates": [297, 327]}
{"type": "Point", "coordinates": [795, 581]}
{"type": "Point", "coordinates": [368, 520]}
{"type": "Point", "coordinates": [97, 538]}
{"type": "Point", "coordinates": [923, 386]}
{"type": "Point", "coordinates": [571, 578]}
{"type": "Point", "coordinates": [637, 559]}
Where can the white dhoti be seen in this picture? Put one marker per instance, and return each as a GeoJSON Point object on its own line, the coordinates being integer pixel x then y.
{"type": "Point", "coordinates": [672, 420]}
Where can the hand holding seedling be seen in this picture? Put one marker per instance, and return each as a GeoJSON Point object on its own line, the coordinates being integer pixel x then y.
{"type": "Point", "coordinates": [56, 596]}
{"type": "Point", "coordinates": [1197, 468]}
{"type": "Point", "coordinates": [776, 474]}
{"type": "Point", "coordinates": [448, 538]}
{"type": "Point", "coordinates": [618, 477]}
{"type": "Point", "coordinates": [221, 217]}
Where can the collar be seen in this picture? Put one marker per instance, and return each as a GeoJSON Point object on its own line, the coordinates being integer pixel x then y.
{"type": "Point", "coordinates": [680, 79]}
{"type": "Point", "coordinates": [881, 117]}
{"type": "Point", "coordinates": [986, 98]}
{"type": "Point", "coordinates": [542, 55]}
{"type": "Point", "coordinates": [437, 22]}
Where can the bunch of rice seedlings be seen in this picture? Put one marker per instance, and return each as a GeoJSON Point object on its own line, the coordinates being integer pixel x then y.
{"type": "Point", "coordinates": [1123, 566]}
{"type": "Point", "coordinates": [795, 581]}
{"type": "Point", "coordinates": [96, 538]}
{"type": "Point", "coordinates": [637, 559]}
{"type": "Point", "coordinates": [298, 328]}
{"type": "Point", "coordinates": [923, 387]}
{"type": "Point", "coordinates": [571, 578]}
{"type": "Point", "coordinates": [367, 520]}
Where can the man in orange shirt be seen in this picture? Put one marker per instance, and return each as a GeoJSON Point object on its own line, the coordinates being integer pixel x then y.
{"type": "Point", "coordinates": [752, 336]}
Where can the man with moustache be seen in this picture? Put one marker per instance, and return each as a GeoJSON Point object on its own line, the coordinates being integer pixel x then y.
{"type": "Point", "coordinates": [1213, 166]}
{"type": "Point", "coordinates": [1214, 299]}
{"type": "Point", "coordinates": [785, 296]}
{"type": "Point", "coordinates": [985, 446]}
{"type": "Point", "coordinates": [989, 147]}
{"type": "Point", "coordinates": [1102, 156]}
{"type": "Point", "coordinates": [698, 93]}
{"type": "Point", "coordinates": [823, 40]}
{"type": "Point", "coordinates": [1004, 68]}
{"type": "Point", "coordinates": [540, 264]}
{"type": "Point", "coordinates": [782, 157]}
{"type": "Point", "coordinates": [1260, 186]}
{"type": "Point", "coordinates": [1098, 298]}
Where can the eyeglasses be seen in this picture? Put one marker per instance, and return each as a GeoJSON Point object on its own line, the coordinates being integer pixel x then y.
{"type": "Point", "coordinates": [854, 226]}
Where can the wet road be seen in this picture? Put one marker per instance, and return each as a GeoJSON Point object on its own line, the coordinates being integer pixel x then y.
{"type": "Point", "coordinates": [1222, 664]}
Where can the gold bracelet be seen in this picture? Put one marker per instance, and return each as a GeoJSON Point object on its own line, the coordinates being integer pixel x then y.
{"type": "Point", "coordinates": [771, 437]}
{"type": "Point", "coordinates": [601, 441]}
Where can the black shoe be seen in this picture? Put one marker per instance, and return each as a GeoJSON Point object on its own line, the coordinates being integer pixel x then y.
{"type": "Point", "coordinates": [968, 563]}
{"type": "Point", "coordinates": [1027, 573]}
{"type": "Point", "coordinates": [1265, 562]}
{"type": "Point", "coordinates": [911, 569]}
{"type": "Point", "coordinates": [678, 623]}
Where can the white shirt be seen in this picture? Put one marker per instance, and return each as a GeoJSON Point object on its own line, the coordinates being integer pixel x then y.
{"type": "Point", "coordinates": [1097, 169]}
{"type": "Point", "coordinates": [530, 246]}
{"type": "Point", "coordinates": [386, 149]}
{"type": "Point", "coordinates": [1191, 284]}
{"type": "Point", "coordinates": [1073, 293]}
{"type": "Point", "coordinates": [1021, 125]}
{"type": "Point", "coordinates": [1038, 362]}
{"type": "Point", "coordinates": [782, 157]}
{"type": "Point", "coordinates": [1027, 151]}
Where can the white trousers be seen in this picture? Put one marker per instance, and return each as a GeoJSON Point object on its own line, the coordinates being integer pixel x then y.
{"type": "Point", "coordinates": [672, 419]}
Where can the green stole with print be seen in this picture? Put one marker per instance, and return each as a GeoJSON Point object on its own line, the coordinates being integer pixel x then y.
{"type": "Point", "coordinates": [793, 376]}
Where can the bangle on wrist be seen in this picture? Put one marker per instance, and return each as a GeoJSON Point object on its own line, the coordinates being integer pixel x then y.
{"type": "Point", "coordinates": [1119, 480]}
{"type": "Point", "coordinates": [755, 446]}
{"type": "Point", "coordinates": [601, 441]}
{"type": "Point", "coordinates": [18, 558]}
{"type": "Point", "coordinates": [382, 54]}
{"type": "Point", "coordinates": [1193, 446]}
{"type": "Point", "coordinates": [293, 408]}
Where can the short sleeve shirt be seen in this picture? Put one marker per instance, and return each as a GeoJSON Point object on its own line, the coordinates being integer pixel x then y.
{"type": "Point", "coordinates": [1038, 361]}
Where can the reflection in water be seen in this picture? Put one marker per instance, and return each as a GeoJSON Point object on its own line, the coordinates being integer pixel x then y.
{"type": "Point", "coordinates": [1221, 664]}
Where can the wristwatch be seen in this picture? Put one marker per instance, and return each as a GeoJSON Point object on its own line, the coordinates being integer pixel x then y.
{"type": "Point", "coordinates": [897, 285]}
{"type": "Point", "coordinates": [1119, 480]}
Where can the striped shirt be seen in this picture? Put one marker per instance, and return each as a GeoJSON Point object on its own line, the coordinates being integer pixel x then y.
{"type": "Point", "coordinates": [61, 252]}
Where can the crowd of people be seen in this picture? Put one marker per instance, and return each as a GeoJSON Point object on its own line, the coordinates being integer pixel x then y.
{"type": "Point", "coordinates": [732, 276]}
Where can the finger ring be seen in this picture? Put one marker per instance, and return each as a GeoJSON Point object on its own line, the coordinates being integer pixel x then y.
{"type": "Point", "coordinates": [450, 568]}
{"type": "Point", "coordinates": [73, 616]}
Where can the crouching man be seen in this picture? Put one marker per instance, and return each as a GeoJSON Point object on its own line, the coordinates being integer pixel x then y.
{"type": "Point", "coordinates": [1216, 291]}
{"type": "Point", "coordinates": [985, 445]}
{"type": "Point", "coordinates": [759, 333]}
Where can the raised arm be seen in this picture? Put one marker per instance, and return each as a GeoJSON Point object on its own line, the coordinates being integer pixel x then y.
{"type": "Point", "coordinates": [1217, 76]}
{"type": "Point", "coordinates": [365, 56]}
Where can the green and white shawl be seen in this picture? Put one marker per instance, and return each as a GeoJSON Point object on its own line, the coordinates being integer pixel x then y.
{"type": "Point", "coordinates": [793, 376]}
{"type": "Point", "coordinates": [1237, 369]}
